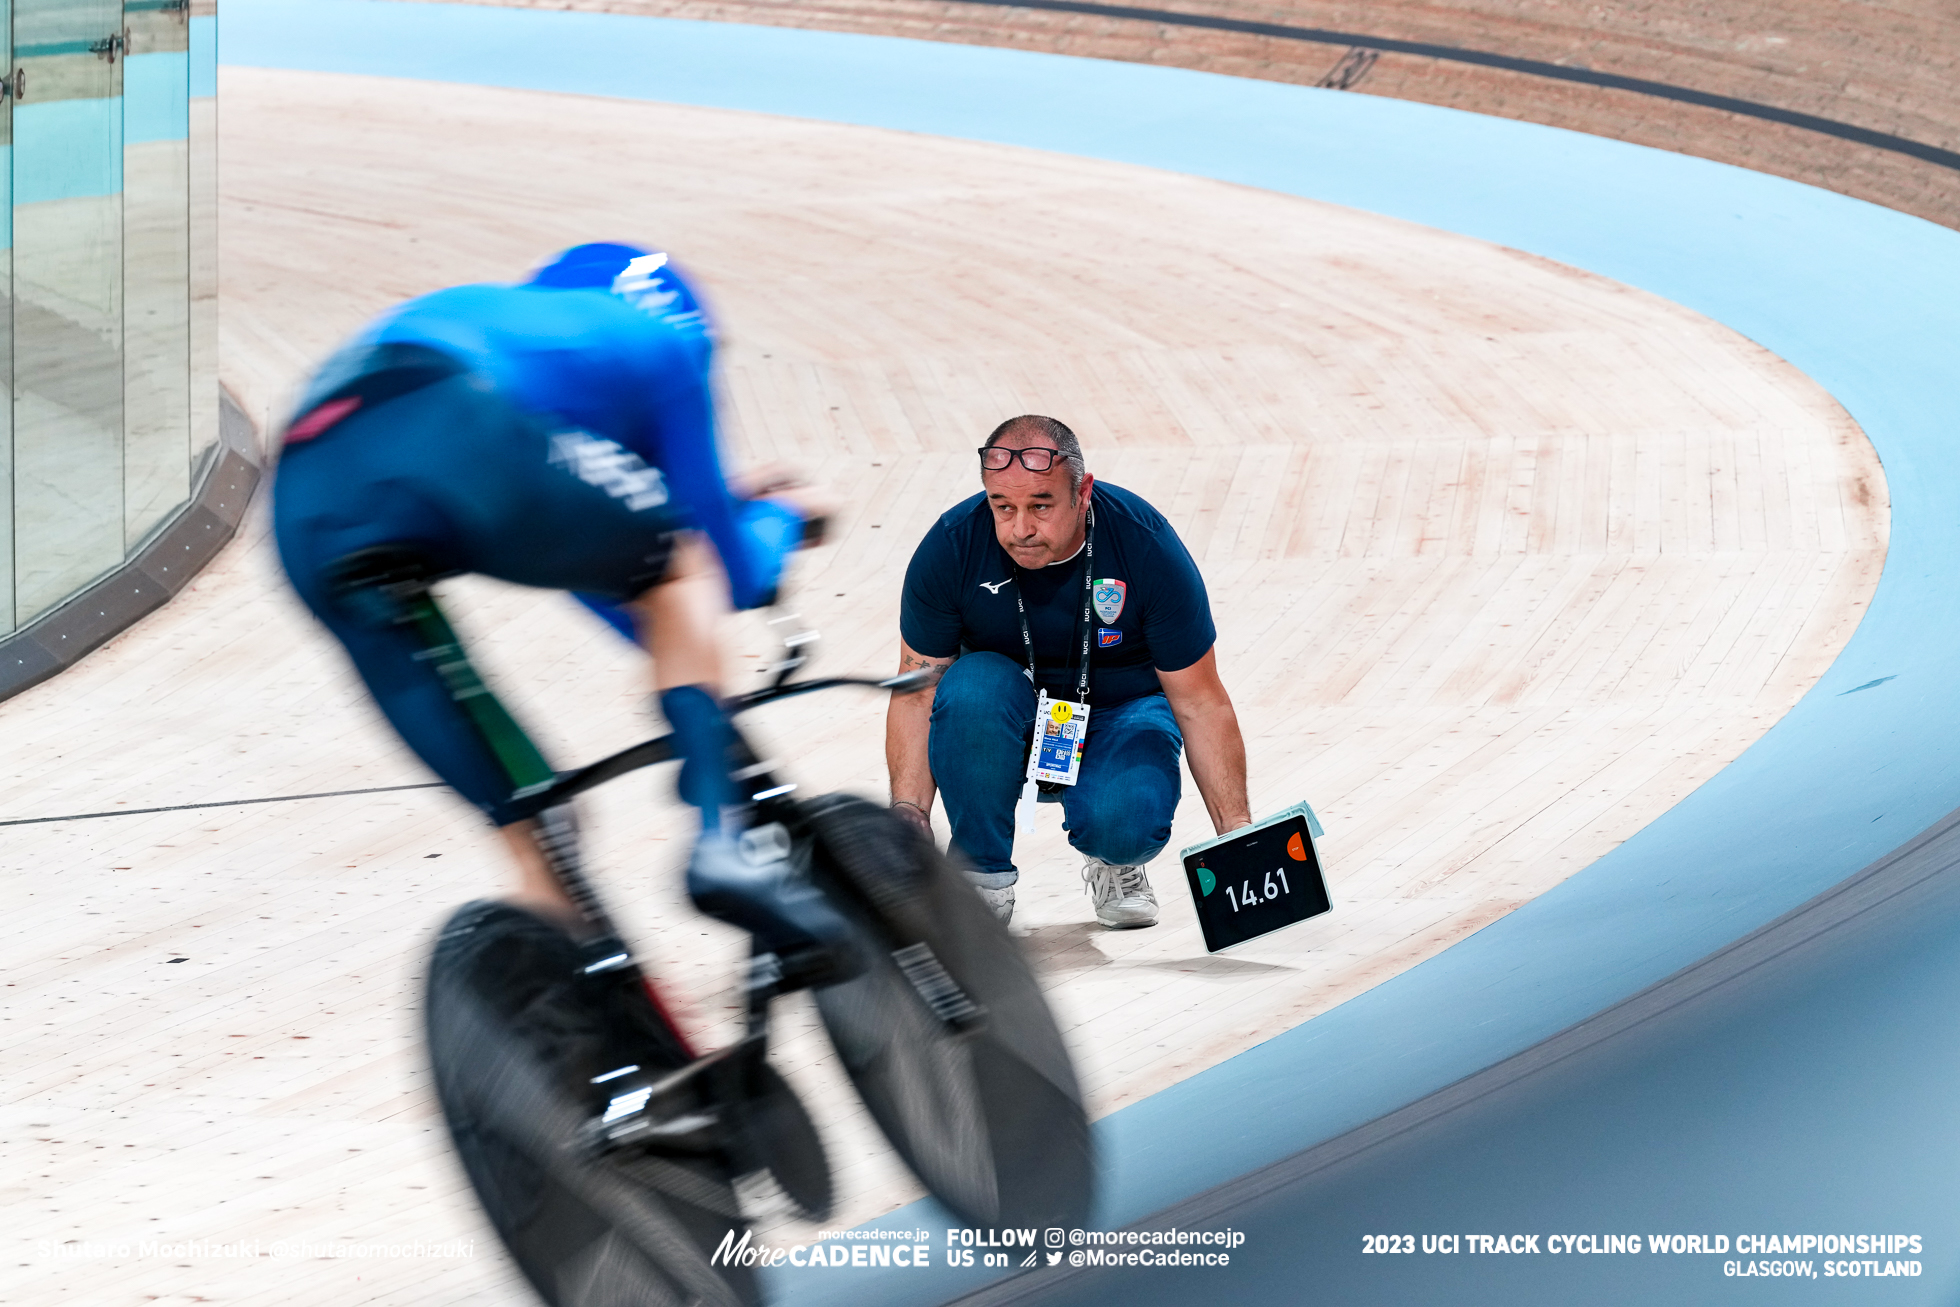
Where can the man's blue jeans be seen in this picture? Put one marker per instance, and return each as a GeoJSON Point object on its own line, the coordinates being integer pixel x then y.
{"type": "Point", "coordinates": [1118, 811]}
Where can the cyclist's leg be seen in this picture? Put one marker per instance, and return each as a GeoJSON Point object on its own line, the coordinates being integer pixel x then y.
{"type": "Point", "coordinates": [435, 479]}
{"type": "Point", "coordinates": [677, 619]}
{"type": "Point", "coordinates": [613, 539]}
{"type": "Point", "coordinates": [367, 514]}
{"type": "Point", "coordinates": [392, 661]}
{"type": "Point", "coordinates": [676, 622]}
{"type": "Point", "coordinates": [454, 472]}
{"type": "Point", "coordinates": [677, 596]}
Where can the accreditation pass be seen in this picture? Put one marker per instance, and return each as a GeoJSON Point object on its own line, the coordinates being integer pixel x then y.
{"type": "Point", "coordinates": [1060, 726]}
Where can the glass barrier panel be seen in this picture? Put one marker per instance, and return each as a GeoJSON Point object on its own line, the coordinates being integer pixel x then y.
{"type": "Point", "coordinates": [156, 267]}
{"type": "Point", "coordinates": [203, 26]}
{"type": "Point", "coordinates": [7, 321]}
{"type": "Point", "coordinates": [68, 298]}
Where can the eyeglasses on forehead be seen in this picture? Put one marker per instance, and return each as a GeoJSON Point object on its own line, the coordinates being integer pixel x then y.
{"type": "Point", "coordinates": [1035, 458]}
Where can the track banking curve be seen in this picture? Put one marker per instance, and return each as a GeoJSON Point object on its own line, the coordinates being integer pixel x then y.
{"type": "Point", "coordinates": [1487, 59]}
{"type": "Point", "coordinates": [1865, 300]}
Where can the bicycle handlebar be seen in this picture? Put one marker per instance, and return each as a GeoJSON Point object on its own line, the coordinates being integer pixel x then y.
{"type": "Point", "coordinates": [661, 748]}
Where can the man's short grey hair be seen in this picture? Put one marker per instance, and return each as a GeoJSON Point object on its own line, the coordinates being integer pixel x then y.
{"type": "Point", "coordinates": [1056, 434]}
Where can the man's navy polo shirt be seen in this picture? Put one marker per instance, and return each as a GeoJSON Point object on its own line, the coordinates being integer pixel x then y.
{"type": "Point", "coordinates": [959, 597]}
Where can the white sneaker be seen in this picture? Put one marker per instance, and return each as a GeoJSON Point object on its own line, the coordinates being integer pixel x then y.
{"type": "Point", "coordinates": [1123, 895]}
{"type": "Point", "coordinates": [1000, 901]}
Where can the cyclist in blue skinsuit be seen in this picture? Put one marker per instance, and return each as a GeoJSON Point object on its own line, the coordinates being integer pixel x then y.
{"type": "Point", "coordinates": [555, 433]}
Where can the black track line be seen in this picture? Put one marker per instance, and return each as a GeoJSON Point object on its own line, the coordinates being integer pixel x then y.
{"type": "Point", "coordinates": [222, 803]}
{"type": "Point", "coordinates": [1531, 67]}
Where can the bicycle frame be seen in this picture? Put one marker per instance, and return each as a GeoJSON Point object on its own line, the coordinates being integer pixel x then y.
{"type": "Point", "coordinates": [686, 1110]}
{"type": "Point", "coordinates": [691, 1109]}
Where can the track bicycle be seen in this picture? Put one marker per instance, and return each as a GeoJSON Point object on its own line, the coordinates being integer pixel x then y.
{"type": "Point", "coordinates": [605, 1149]}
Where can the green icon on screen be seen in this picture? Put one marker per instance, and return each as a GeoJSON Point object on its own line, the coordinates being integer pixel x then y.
{"type": "Point", "coordinates": [1206, 881]}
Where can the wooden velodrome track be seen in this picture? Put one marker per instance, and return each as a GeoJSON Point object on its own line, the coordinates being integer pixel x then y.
{"type": "Point", "coordinates": [1506, 559]}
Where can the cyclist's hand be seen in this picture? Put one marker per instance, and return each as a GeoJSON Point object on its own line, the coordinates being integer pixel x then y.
{"type": "Point", "coordinates": [768, 479]}
{"type": "Point", "coordinates": [813, 503]}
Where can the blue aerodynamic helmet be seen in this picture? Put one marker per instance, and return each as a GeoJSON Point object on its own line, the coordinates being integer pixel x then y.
{"type": "Point", "coordinates": [643, 278]}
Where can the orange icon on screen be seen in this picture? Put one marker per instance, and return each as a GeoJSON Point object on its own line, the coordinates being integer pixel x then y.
{"type": "Point", "coordinates": [1296, 848]}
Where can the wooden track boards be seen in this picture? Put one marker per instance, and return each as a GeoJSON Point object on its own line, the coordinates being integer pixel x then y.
{"type": "Point", "coordinates": [1506, 559]}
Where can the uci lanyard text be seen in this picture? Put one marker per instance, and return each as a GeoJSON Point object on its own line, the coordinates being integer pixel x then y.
{"type": "Point", "coordinates": [1061, 728]}
{"type": "Point", "coordinates": [1088, 608]}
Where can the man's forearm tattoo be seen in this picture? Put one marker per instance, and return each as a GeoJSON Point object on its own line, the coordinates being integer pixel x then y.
{"type": "Point", "coordinates": [913, 662]}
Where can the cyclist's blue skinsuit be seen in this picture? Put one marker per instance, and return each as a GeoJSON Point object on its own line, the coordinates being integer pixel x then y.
{"type": "Point", "coordinates": [549, 435]}
{"type": "Point", "coordinates": [586, 361]}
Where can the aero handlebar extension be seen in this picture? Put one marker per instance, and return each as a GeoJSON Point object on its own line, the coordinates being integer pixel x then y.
{"type": "Point", "coordinates": [661, 748]}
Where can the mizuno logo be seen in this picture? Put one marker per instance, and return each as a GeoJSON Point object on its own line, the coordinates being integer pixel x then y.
{"type": "Point", "coordinates": [993, 587]}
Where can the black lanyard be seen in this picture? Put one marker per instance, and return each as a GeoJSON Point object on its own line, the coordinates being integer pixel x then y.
{"type": "Point", "coordinates": [1088, 606]}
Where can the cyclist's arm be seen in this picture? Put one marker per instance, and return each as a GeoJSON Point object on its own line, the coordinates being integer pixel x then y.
{"type": "Point", "coordinates": [682, 415]}
{"type": "Point", "coordinates": [908, 722]}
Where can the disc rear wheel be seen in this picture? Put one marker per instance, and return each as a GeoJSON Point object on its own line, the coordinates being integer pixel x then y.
{"type": "Point", "coordinates": [946, 1035]}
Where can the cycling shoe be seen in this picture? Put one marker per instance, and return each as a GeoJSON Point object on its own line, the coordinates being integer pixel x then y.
{"type": "Point", "coordinates": [754, 881]}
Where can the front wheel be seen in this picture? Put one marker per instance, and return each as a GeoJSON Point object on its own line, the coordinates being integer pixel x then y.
{"type": "Point", "coordinates": [946, 1034]}
{"type": "Point", "coordinates": [514, 1039]}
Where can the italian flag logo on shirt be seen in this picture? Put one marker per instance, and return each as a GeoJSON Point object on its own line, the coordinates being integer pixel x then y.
{"type": "Point", "coordinates": [1108, 595]}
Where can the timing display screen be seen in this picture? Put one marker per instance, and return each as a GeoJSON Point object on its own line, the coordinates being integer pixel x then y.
{"type": "Point", "coordinates": [1255, 884]}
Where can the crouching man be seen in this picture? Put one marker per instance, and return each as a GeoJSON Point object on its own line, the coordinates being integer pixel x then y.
{"type": "Point", "coordinates": [1047, 582]}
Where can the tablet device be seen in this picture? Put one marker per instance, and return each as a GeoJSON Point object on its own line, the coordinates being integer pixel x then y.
{"type": "Point", "coordinates": [1257, 880]}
